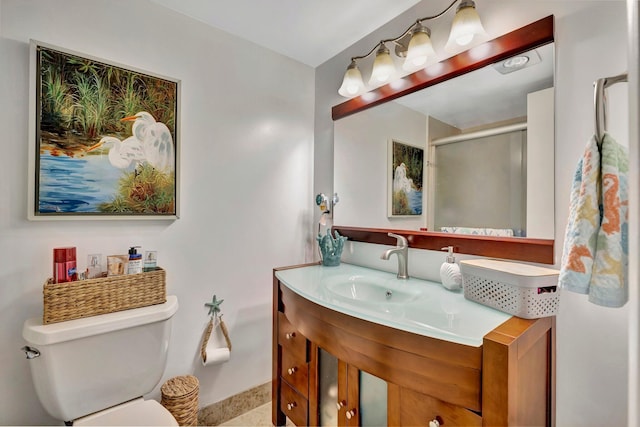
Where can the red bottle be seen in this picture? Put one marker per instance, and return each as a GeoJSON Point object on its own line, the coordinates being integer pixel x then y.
{"type": "Point", "coordinates": [64, 265]}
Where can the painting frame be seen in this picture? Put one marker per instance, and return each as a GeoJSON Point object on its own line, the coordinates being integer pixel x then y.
{"type": "Point", "coordinates": [407, 203]}
{"type": "Point", "coordinates": [75, 136]}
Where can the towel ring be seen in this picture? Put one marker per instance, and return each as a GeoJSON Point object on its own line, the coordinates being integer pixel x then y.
{"type": "Point", "coordinates": [600, 102]}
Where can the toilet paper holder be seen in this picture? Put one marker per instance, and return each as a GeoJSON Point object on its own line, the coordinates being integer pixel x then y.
{"type": "Point", "coordinates": [215, 320]}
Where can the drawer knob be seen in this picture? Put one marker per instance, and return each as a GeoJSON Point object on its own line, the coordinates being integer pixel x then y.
{"type": "Point", "coordinates": [352, 413]}
{"type": "Point", "coordinates": [436, 422]}
{"type": "Point", "coordinates": [340, 404]}
{"type": "Point", "coordinates": [290, 335]}
{"type": "Point", "coordinates": [293, 370]}
{"type": "Point", "coordinates": [291, 405]}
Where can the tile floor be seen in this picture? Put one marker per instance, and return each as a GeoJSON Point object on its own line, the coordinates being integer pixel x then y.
{"type": "Point", "coordinates": [260, 416]}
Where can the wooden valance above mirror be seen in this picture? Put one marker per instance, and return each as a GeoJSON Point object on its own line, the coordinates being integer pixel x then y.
{"type": "Point", "coordinates": [529, 37]}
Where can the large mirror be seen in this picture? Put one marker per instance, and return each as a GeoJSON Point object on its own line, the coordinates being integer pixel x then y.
{"type": "Point", "coordinates": [488, 141]}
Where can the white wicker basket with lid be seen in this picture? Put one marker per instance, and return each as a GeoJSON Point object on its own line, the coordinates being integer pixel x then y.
{"type": "Point", "coordinates": [522, 290]}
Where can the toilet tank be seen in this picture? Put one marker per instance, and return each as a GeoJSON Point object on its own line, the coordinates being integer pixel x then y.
{"type": "Point", "coordinates": [86, 365]}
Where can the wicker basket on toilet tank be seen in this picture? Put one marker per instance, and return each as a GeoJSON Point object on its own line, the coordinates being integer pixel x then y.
{"type": "Point", "coordinates": [91, 297]}
{"type": "Point", "coordinates": [522, 290]}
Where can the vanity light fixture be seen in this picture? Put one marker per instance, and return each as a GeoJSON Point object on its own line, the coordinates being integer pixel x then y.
{"type": "Point", "coordinates": [420, 48]}
{"type": "Point", "coordinates": [465, 27]}
{"type": "Point", "coordinates": [417, 52]}
{"type": "Point", "coordinates": [352, 83]}
{"type": "Point", "coordinates": [383, 68]}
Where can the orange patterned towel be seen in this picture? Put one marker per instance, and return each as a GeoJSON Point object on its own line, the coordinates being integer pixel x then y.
{"type": "Point", "coordinates": [609, 284]}
{"type": "Point", "coordinates": [595, 254]}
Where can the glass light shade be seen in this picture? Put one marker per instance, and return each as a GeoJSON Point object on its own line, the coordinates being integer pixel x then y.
{"type": "Point", "coordinates": [352, 84]}
{"type": "Point", "coordinates": [383, 68]}
{"type": "Point", "coordinates": [419, 51]}
{"type": "Point", "coordinates": [465, 27]}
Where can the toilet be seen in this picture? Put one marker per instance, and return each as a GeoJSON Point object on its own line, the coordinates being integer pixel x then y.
{"type": "Point", "coordinates": [95, 370]}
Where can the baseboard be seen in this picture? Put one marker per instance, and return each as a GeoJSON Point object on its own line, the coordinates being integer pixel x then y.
{"type": "Point", "coordinates": [220, 412]}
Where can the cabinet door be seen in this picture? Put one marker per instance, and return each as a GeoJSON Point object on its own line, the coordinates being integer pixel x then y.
{"type": "Point", "coordinates": [292, 341]}
{"type": "Point", "coordinates": [373, 400]}
{"type": "Point", "coordinates": [327, 389]}
{"type": "Point", "coordinates": [295, 371]}
{"type": "Point", "coordinates": [294, 405]}
{"type": "Point", "coordinates": [411, 408]}
{"type": "Point", "coordinates": [362, 397]}
{"type": "Point", "coordinates": [334, 395]}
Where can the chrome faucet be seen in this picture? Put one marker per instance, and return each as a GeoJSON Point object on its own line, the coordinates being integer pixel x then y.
{"type": "Point", "coordinates": [402, 251]}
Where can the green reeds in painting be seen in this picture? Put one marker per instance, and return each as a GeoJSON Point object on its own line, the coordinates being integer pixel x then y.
{"type": "Point", "coordinates": [91, 104]}
{"type": "Point", "coordinates": [57, 105]}
{"type": "Point", "coordinates": [401, 203]}
{"type": "Point", "coordinates": [89, 98]}
{"type": "Point", "coordinates": [130, 98]}
{"type": "Point", "coordinates": [143, 191]}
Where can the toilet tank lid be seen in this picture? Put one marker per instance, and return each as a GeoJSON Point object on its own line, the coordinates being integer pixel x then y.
{"type": "Point", "coordinates": [34, 332]}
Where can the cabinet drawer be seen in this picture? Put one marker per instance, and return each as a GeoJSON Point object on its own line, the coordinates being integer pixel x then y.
{"type": "Point", "coordinates": [418, 409]}
{"type": "Point", "coordinates": [291, 340]}
{"type": "Point", "coordinates": [295, 371]}
{"type": "Point", "coordinates": [294, 405]}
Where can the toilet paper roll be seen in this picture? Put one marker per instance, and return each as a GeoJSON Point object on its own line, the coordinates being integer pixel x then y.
{"type": "Point", "coordinates": [216, 355]}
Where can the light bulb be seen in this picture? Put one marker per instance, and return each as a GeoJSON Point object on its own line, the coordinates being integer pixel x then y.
{"type": "Point", "coordinates": [383, 68]}
{"type": "Point", "coordinates": [420, 49]}
{"type": "Point", "coordinates": [516, 62]}
{"type": "Point", "coordinates": [465, 27]}
{"type": "Point", "coordinates": [352, 83]}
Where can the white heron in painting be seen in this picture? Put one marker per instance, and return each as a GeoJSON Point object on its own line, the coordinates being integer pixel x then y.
{"type": "Point", "coordinates": [156, 140]}
{"type": "Point", "coordinates": [401, 181]}
{"type": "Point", "coordinates": [121, 153]}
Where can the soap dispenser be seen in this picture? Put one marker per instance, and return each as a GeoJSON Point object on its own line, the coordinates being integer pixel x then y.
{"type": "Point", "coordinates": [450, 272]}
{"type": "Point", "coordinates": [135, 261]}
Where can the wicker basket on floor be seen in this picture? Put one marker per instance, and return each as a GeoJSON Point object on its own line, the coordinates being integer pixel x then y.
{"type": "Point", "coordinates": [180, 397]}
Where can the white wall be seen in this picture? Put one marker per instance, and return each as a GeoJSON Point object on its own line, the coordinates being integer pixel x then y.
{"type": "Point", "coordinates": [246, 207]}
{"type": "Point", "coordinates": [592, 340]}
{"type": "Point", "coordinates": [591, 42]}
{"type": "Point", "coordinates": [360, 148]}
{"type": "Point", "coordinates": [540, 152]}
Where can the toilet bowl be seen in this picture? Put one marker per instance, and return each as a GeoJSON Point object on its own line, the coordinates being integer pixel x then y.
{"type": "Point", "coordinates": [95, 370]}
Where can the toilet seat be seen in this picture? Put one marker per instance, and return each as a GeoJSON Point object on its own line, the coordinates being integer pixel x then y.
{"type": "Point", "coordinates": [138, 412]}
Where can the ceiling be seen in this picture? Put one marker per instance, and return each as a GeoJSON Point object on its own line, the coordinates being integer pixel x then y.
{"type": "Point", "coordinates": [314, 31]}
{"type": "Point", "coordinates": [309, 31]}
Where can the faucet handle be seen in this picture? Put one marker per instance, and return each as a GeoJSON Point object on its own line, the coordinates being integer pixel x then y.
{"type": "Point", "coordinates": [401, 241]}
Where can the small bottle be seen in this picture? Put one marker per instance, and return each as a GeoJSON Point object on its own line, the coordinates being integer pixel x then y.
{"type": "Point", "coordinates": [94, 266]}
{"type": "Point", "coordinates": [150, 261]}
{"type": "Point", "coordinates": [64, 265]}
{"type": "Point", "coordinates": [450, 272]}
{"type": "Point", "coordinates": [135, 261]}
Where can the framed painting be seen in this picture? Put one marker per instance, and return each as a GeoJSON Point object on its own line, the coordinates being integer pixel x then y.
{"type": "Point", "coordinates": [404, 181]}
{"type": "Point", "coordinates": [103, 139]}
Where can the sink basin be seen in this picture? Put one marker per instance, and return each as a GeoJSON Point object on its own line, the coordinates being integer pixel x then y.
{"type": "Point", "coordinates": [418, 306]}
{"type": "Point", "coordinates": [370, 290]}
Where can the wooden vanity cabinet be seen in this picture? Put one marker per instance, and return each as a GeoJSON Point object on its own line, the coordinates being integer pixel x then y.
{"type": "Point", "coordinates": [508, 381]}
